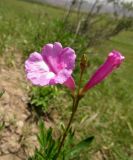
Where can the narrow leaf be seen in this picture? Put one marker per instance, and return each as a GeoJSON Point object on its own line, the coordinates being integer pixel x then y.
{"type": "Point", "coordinates": [79, 147]}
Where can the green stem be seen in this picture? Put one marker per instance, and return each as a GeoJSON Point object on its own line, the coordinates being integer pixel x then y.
{"type": "Point", "coordinates": [75, 106]}
{"type": "Point", "coordinates": [80, 81]}
{"type": "Point", "coordinates": [74, 109]}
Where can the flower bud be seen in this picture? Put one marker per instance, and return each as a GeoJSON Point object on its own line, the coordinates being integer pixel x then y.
{"type": "Point", "coordinates": [83, 62]}
{"type": "Point", "coordinates": [113, 61]}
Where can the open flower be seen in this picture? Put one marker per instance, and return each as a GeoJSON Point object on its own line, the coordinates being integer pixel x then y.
{"type": "Point", "coordinates": [53, 66]}
{"type": "Point", "coordinates": [113, 61]}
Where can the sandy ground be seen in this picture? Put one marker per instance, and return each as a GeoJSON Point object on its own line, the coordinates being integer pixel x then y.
{"type": "Point", "coordinates": [17, 134]}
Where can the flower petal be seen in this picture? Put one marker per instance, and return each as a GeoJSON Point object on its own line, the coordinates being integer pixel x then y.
{"type": "Point", "coordinates": [68, 58]}
{"type": "Point", "coordinates": [37, 70]}
{"type": "Point", "coordinates": [58, 58]}
{"type": "Point", "coordinates": [35, 61]}
{"type": "Point", "coordinates": [40, 79]}
{"type": "Point", "coordinates": [51, 54]}
{"type": "Point", "coordinates": [61, 77]}
{"type": "Point", "coordinates": [70, 83]}
{"type": "Point", "coordinates": [57, 48]}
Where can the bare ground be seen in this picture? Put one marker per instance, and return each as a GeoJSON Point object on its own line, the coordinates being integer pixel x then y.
{"type": "Point", "coordinates": [17, 135]}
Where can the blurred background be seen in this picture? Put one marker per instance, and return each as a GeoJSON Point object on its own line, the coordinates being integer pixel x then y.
{"type": "Point", "coordinates": [91, 27]}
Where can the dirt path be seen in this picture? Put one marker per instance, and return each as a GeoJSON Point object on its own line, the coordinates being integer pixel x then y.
{"type": "Point", "coordinates": [17, 136]}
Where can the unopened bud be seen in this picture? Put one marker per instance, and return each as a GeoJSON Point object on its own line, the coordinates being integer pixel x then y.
{"type": "Point", "coordinates": [83, 62]}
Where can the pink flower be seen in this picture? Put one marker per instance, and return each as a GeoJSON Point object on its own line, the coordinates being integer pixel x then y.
{"type": "Point", "coordinates": [113, 61]}
{"type": "Point", "coordinates": [53, 66]}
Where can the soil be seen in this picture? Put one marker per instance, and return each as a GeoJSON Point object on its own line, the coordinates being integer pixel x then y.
{"type": "Point", "coordinates": [17, 134]}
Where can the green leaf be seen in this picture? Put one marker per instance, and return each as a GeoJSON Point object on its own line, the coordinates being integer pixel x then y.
{"type": "Point", "coordinates": [49, 135]}
{"type": "Point", "coordinates": [42, 134]}
{"type": "Point", "coordinates": [51, 147]}
{"type": "Point", "coordinates": [79, 147]}
{"type": "Point", "coordinates": [40, 156]}
{"type": "Point", "coordinates": [1, 93]}
{"type": "Point", "coordinates": [2, 126]}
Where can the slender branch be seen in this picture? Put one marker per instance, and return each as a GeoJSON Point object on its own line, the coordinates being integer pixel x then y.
{"type": "Point", "coordinates": [74, 108]}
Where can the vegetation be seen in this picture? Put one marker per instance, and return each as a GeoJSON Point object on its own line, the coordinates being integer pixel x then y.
{"type": "Point", "coordinates": [107, 109]}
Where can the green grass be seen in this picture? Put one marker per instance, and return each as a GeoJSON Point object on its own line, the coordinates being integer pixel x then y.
{"type": "Point", "coordinates": [106, 109]}
{"type": "Point", "coordinates": [22, 24]}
